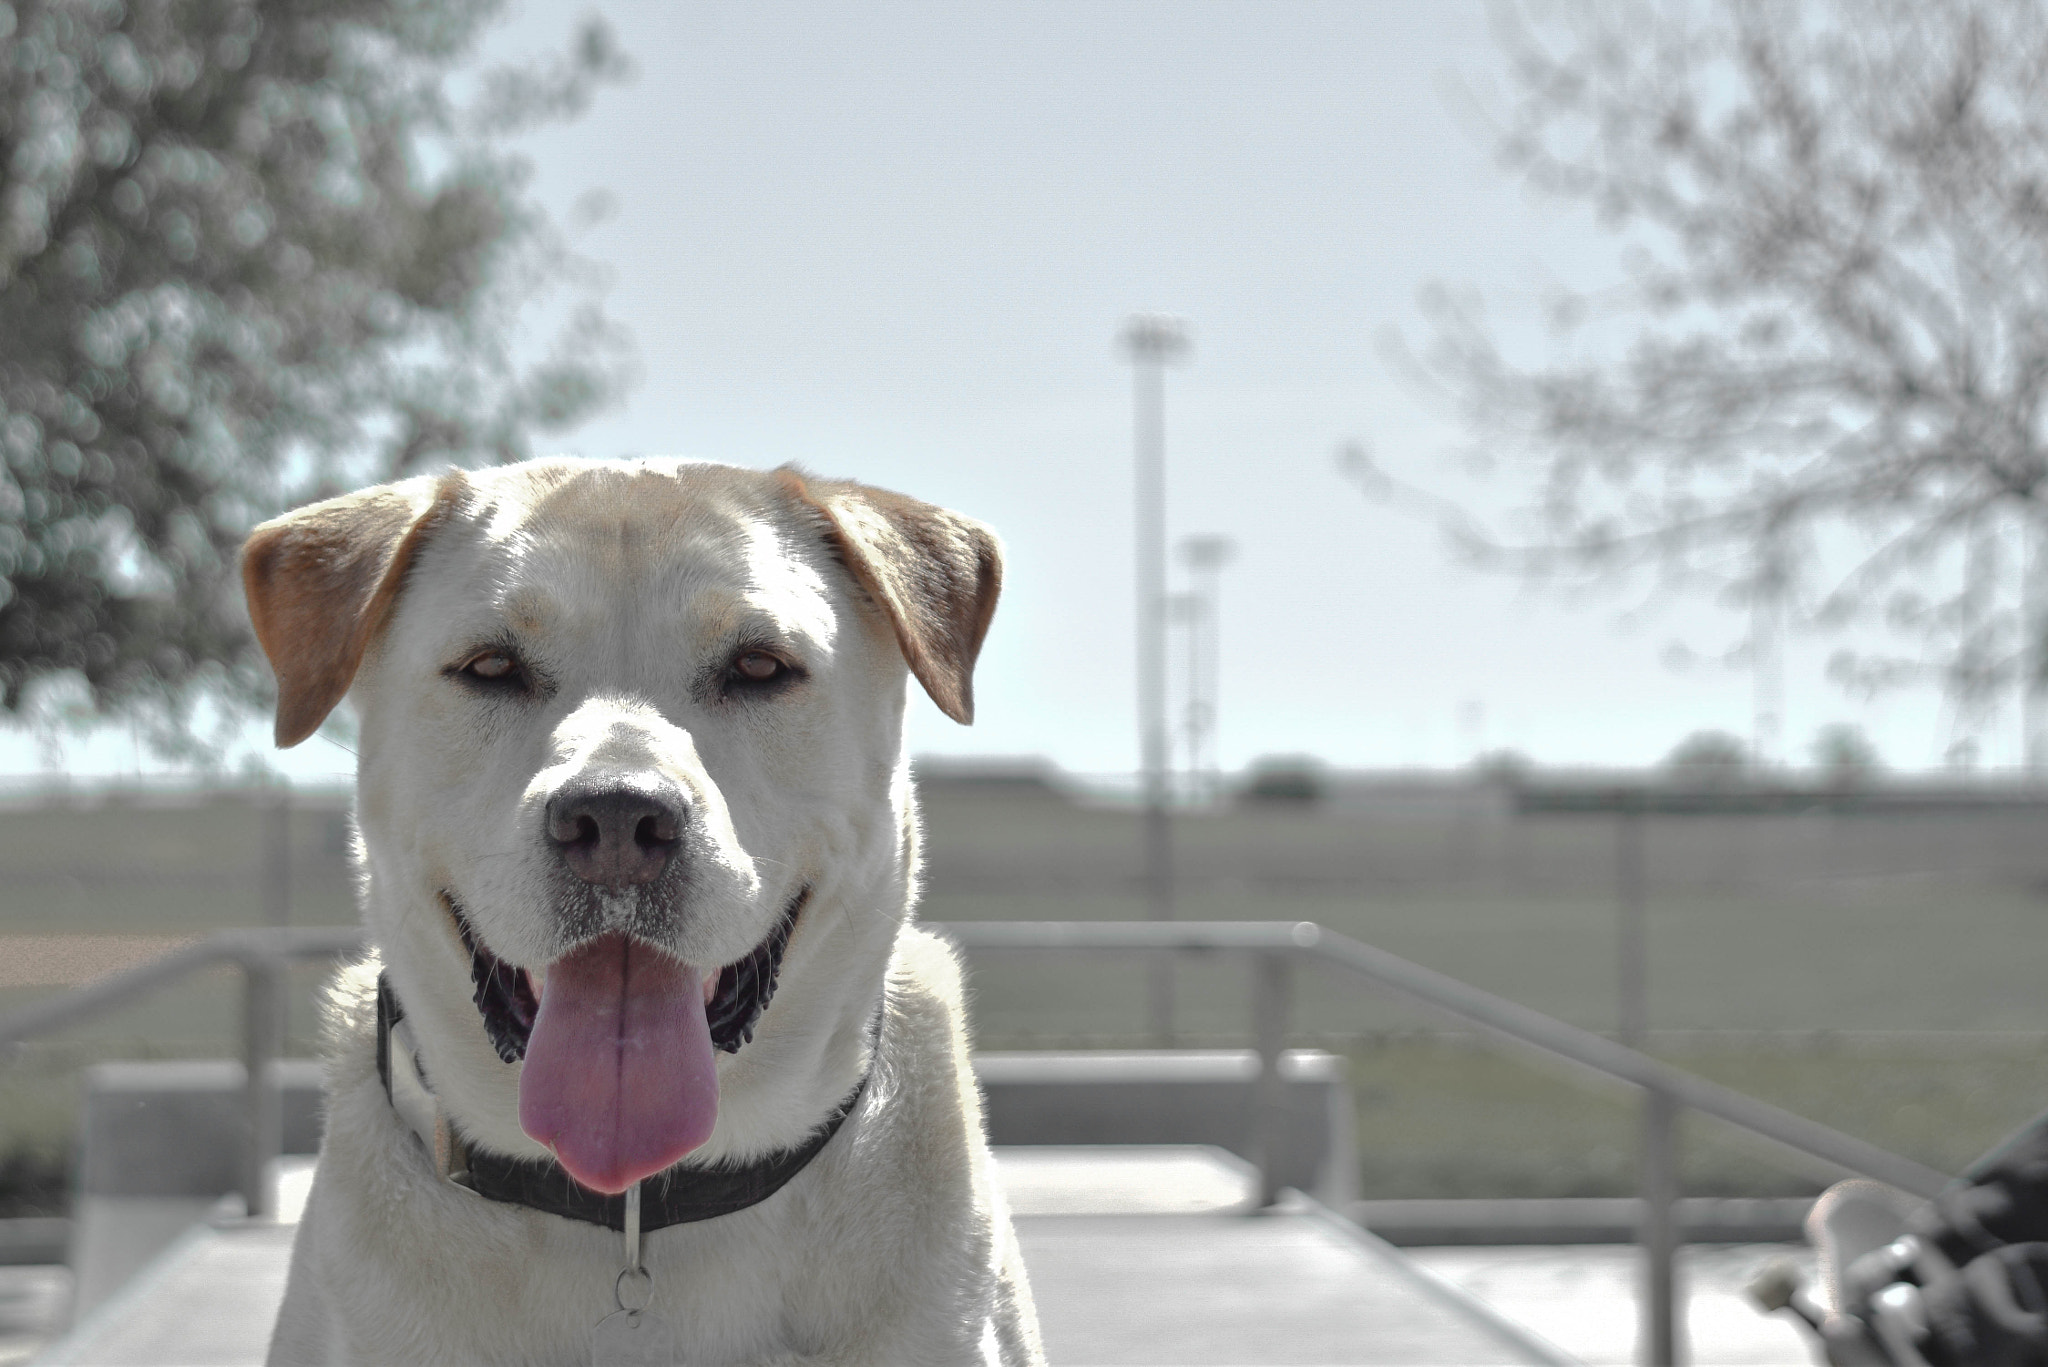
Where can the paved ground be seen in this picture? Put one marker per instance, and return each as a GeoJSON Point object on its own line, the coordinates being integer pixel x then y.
{"type": "Point", "coordinates": [209, 1301]}
{"type": "Point", "coordinates": [1581, 1299]}
{"type": "Point", "coordinates": [1162, 1267]}
{"type": "Point", "coordinates": [1196, 1290]}
{"type": "Point", "coordinates": [1137, 1257]}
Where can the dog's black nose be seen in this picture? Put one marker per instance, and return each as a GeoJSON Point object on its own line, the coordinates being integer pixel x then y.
{"type": "Point", "coordinates": [615, 836]}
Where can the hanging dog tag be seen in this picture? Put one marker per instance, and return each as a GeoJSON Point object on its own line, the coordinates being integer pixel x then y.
{"type": "Point", "coordinates": [630, 1336]}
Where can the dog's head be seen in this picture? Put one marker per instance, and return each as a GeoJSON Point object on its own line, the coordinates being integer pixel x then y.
{"type": "Point", "coordinates": [620, 724]}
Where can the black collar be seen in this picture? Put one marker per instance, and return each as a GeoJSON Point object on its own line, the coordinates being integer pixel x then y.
{"type": "Point", "coordinates": [678, 1196]}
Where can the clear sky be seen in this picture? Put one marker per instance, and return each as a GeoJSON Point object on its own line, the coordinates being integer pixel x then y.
{"type": "Point", "coordinates": [895, 242]}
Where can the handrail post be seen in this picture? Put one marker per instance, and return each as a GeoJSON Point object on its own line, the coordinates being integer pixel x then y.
{"type": "Point", "coordinates": [1271, 1001]}
{"type": "Point", "coordinates": [277, 858]}
{"type": "Point", "coordinates": [263, 1025]}
{"type": "Point", "coordinates": [1631, 888]}
{"type": "Point", "coordinates": [1658, 1233]}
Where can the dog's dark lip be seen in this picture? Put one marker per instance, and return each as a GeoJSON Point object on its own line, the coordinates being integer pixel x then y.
{"type": "Point", "coordinates": [506, 1000]}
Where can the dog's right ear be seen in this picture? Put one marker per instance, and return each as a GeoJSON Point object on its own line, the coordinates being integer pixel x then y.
{"type": "Point", "coordinates": [322, 579]}
{"type": "Point", "coordinates": [934, 574]}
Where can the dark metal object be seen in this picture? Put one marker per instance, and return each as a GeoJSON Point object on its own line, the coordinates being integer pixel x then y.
{"type": "Point", "coordinates": [1152, 342]}
{"type": "Point", "coordinates": [1631, 939]}
{"type": "Point", "coordinates": [277, 859]}
{"type": "Point", "coordinates": [1271, 1002]}
{"type": "Point", "coordinates": [1661, 1326]}
{"type": "Point", "coordinates": [263, 1026]}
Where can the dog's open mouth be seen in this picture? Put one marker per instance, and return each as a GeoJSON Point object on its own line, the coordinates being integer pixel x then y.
{"type": "Point", "coordinates": [619, 1040]}
{"type": "Point", "coordinates": [508, 999]}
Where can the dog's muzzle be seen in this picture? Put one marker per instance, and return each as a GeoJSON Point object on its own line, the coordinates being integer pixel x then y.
{"type": "Point", "coordinates": [508, 1004]}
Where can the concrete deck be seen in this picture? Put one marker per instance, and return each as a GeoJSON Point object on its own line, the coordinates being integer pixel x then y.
{"type": "Point", "coordinates": [208, 1301]}
{"type": "Point", "coordinates": [1582, 1299]}
{"type": "Point", "coordinates": [1267, 1288]}
{"type": "Point", "coordinates": [1136, 1257]}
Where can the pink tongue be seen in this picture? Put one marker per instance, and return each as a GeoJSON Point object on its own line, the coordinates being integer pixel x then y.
{"type": "Point", "coordinates": [620, 1080]}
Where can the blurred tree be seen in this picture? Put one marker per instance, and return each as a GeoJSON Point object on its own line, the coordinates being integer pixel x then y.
{"type": "Point", "coordinates": [1825, 376]}
{"type": "Point", "coordinates": [1504, 768]}
{"type": "Point", "coordinates": [1284, 779]}
{"type": "Point", "coordinates": [1845, 756]}
{"type": "Point", "coordinates": [250, 253]}
{"type": "Point", "coordinates": [1709, 759]}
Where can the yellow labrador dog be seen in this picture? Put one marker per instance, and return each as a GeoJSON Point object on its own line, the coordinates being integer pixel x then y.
{"type": "Point", "coordinates": [651, 1064]}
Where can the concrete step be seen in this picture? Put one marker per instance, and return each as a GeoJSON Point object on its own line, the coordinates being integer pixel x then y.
{"type": "Point", "coordinates": [29, 1240]}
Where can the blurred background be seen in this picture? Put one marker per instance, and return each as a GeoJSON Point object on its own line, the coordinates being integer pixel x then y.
{"type": "Point", "coordinates": [1596, 458]}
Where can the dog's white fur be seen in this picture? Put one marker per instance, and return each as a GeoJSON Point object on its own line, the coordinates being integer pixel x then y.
{"type": "Point", "coordinates": [626, 588]}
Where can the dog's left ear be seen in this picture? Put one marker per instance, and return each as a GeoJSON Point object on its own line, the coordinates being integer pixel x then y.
{"type": "Point", "coordinates": [935, 574]}
{"type": "Point", "coordinates": [321, 580]}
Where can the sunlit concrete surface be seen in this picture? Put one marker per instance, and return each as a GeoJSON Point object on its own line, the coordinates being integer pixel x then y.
{"type": "Point", "coordinates": [1582, 1298]}
{"type": "Point", "coordinates": [1153, 1255]}
{"type": "Point", "coordinates": [32, 1303]}
{"type": "Point", "coordinates": [1136, 1257]}
{"type": "Point", "coordinates": [1157, 1179]}
{"type": "Point", "coordinates": [1231, 1288]}
{"type": "Point", "coordinates": [210, 1299]}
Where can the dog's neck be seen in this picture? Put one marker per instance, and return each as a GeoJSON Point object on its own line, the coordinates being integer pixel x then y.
{"type": "Point", "coordinates": [679, 1196]}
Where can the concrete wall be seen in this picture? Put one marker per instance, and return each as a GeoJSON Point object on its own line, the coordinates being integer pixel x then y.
{"type": "Point", "coordinates": [159, 1145]}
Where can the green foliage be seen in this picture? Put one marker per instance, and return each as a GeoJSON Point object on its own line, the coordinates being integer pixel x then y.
{"type": "Point", "coordinates": [1505, 768]}
{"type": "Point", "coordinates": [249, 254]}
{"type": "Point", "coordinates": [1285, 778]}
{"type": "Point", "coordinates": [1845, 755]}
{"type": "Point", "coordinates": [1709, 757]}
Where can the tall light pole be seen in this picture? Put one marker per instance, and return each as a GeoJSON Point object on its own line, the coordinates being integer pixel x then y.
{"type": "Point", "coordinates": [1205, 557]}
{"type": "Point", "coordinates": [1151, 341]}
{"type": "Point", "coordinates": [1189, 611]}
{"type": "Point", "coordinates": [2033, 652]}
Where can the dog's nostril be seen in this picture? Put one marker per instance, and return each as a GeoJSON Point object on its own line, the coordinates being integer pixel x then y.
{"type": "Point", "coordinates": [571, 827]}
{"type": "Point", "coordinates": [660, 828]}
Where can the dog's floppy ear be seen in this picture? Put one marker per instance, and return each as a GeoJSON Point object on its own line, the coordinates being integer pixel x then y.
{"type": "Point", "coordinates": [320, 581]}
{"type": "Point", "coordinates": [935, 574]}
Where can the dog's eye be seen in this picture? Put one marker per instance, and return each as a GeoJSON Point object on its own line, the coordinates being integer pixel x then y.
{"type": "Point", "coordinates": [493, 666]}
{"type": "Point", "coordinates": [758, 666]}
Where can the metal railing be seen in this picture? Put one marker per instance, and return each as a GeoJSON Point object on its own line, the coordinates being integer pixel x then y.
{"type": "Point", "coordinates": [263, 954]}
{"type": "Point", "coordinates": [1276, 949]}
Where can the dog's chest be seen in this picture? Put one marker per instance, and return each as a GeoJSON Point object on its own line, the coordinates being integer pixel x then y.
{"type": "Point", "coordinates": [506, 1285]}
